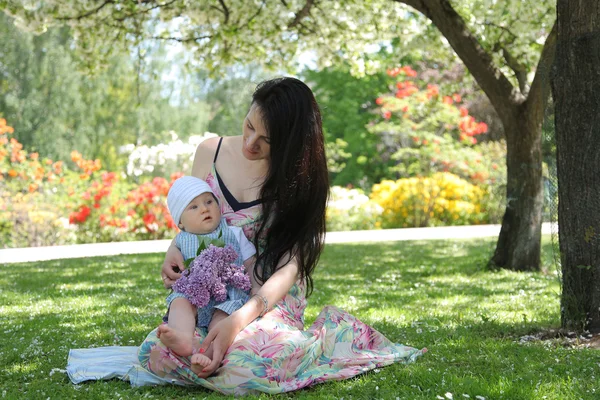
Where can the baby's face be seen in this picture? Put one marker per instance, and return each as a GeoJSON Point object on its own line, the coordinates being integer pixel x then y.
{"type": "Point", "coordinates": [201, 216]}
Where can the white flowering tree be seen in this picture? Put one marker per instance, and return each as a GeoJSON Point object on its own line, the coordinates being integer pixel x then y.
{"type": "Point", "coordinates": [350, 209]}
{"type": "Point", "coordinates": [163, 159]}
{"type": "Point", "coordinates": [507, 46]}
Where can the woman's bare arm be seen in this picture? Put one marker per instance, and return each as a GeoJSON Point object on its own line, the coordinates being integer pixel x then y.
{"type": "Point", "coordinates": [249, 267]}
{"type": "Point", "coordinates": [173, 259]}
{"type": "Point", "coordinates": [203, 159]}
{"type": "Point", "coordinates": [274, 289]}
{"type": "Point", "coordinates": [223, 334]}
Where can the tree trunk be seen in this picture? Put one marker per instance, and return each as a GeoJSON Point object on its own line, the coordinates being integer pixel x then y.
{"type": "Point", "coordinates": [519, 244]}
{"type": "Point", "coordinates": [576, 88]}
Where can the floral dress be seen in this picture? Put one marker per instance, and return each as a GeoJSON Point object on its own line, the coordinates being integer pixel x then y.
{"type": "Point", "coordinates": [275, 353]}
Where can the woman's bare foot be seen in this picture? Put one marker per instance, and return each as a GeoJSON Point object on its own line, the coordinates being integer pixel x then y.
{"type": "Point", "coordinates": [177, 341]}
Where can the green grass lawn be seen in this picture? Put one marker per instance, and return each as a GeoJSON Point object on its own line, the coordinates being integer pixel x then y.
{"type": "Point", "coordinates": [434, 294]}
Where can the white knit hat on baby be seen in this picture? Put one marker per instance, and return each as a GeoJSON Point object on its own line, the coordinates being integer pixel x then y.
{"type": "Point", "coordinates": [183, 191]}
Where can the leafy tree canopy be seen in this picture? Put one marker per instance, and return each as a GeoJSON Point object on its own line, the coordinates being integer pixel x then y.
{"type": "Point", "coordinates": [226, 32]}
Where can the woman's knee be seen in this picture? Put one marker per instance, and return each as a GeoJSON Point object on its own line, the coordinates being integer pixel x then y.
{"type": "Point", "coordinates": [148, 346]}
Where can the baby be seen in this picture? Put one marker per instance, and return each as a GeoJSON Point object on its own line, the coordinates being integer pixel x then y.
{"type": "Point", "coordinates": [196, 212]}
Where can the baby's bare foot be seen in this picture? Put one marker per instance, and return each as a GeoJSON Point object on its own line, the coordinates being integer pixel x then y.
{"type": "Point", "coordinates": [199, 362]}
{"type": "Point", "coordinates": [177, 341]}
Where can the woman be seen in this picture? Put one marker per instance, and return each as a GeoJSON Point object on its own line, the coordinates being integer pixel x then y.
{"type": "Point", "coordinates": [276, 190]}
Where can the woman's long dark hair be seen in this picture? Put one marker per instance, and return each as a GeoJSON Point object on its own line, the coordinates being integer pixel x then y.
{"type": "Point", "coordinates": [296, 188]}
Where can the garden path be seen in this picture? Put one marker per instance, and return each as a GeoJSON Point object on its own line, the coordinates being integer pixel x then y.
{"type": "Point", "coordinates": [30, 254]}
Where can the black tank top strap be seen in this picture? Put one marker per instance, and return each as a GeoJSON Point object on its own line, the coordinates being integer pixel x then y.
{"type": "Point", "coordinates": [218, 148]}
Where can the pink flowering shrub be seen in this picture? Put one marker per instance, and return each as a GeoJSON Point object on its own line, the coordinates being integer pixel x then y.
{"type": "Point", "coordinates": [209, 274]}
{"type": "Point", "coordinates": [425, 131]}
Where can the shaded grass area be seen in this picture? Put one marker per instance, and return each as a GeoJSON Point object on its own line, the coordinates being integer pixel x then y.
{"type": "Point", "coordinates": [434, 294]}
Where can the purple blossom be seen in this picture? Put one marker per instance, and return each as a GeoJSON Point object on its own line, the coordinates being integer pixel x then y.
{"type": "Point", "coordinates": [240, 280]}
{"type": "Point", "coordinates": [210, 273]}
{"type": "Point", "coordinates": [220, 292]}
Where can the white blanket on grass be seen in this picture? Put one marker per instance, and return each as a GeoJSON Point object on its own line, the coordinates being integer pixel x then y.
{"type": "Point", "coordinates": [110, 362]}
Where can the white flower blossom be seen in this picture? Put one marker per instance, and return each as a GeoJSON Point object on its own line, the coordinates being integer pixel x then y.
{"type": "Point", "coordinates": [165, 158]}
{"type": "Point", "coordinates": [351, 209]}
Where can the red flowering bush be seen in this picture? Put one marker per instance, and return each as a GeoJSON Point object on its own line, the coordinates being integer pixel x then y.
{"type": "Point", "coordinates": [423, 130]}
{"type": "Point", "coordinates": [110, 209]}
{"type": "Point", "coordinates": [91, 197]}
{"type": "Point", "coordinates": [45, 202]}
{"type": "Point", "coordinates": [147, 213]}
{"type": "Point", "coordinates": [26, 182]}
{"type": "Point", "coordinates": [427, 132]}
{"type": "Point", "coordinates": [22, 171]}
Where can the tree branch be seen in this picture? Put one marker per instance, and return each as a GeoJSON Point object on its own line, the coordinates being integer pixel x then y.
{"type": "Point", "coordinates": [225, 11]}
{"type": "Point", "coordinates": [301, 14]}
{"type": "Point", "coordinates": [303, 28]}
{"type": "Point", "coordinates": [540, 87]}
{"type": "Point", "coordinates": [519, 69]}
{"type": "Point", "coordinates": [256, 14]}
{"type": "Point", "coordinates": [87, 14]}
{"type": "Point", "coordinates": [146, 11]}
{"type": "Point", "coordinates": [119, 19]}
{"type": "Point", "coordinates": [503, 29]}
{"type": "Point", "coordinates": [502, 94]}
{"type": "Point", "coordinates": [182, 39]}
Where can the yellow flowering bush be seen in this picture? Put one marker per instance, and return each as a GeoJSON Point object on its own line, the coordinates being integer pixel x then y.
{"type": "Point", "coordinates": [441, 199]}
{"type": "Point", "coordinates": [28, 220]}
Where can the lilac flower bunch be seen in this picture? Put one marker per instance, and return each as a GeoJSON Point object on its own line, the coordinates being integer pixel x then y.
{"type": "Point", "coordinates": [209, 274]}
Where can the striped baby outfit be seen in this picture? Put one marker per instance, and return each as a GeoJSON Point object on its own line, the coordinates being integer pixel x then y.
{"type": "Point", "coordinates": [188, 243]}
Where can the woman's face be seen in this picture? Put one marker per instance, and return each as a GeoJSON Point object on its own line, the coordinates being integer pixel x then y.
{"type": "Point", "coordinates": [255, 139]}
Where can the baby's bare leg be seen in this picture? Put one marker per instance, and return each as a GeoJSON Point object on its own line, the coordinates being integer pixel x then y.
{"type": "Point", "coordinates": [217, 316]}
{"type": "Point", "coordinates": [178, 335]}
{"type": "Point", "coordinates": [202, 360]}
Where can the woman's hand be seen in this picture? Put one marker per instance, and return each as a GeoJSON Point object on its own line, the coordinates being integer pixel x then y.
{"type": "Point", "coordinates": [220, 337]}
{"type": "Point", "coordinates": [172, 266]}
